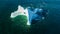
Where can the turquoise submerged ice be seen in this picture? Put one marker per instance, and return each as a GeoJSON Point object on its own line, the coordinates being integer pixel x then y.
{"type": "Point", "coordinates": [36, 14]}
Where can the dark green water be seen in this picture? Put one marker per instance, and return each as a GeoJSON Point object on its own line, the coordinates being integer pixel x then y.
{"type": "Point", "coordinates": [51, 25]}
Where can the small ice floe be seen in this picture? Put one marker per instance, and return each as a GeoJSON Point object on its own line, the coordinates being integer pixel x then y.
{"type": "Point", "coordinates": [43, 18]}
{"type": "Point", "coordinates": [21, 11]}
{"type": "Point", "coordinates": [36, 14]}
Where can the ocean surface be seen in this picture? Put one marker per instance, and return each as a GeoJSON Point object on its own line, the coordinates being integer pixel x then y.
{"type": "Point", "coordinates": [51, 24]}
